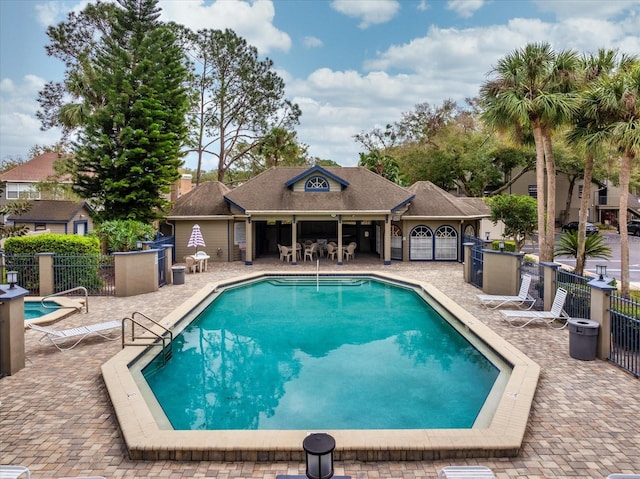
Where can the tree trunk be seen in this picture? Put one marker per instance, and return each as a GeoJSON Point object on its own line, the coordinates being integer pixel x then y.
{"type": "Point", "coordinates": [625, 174]}
{"type": "Point", "coordinates": [550, 165]}
{"type": "Point", "coordinates": [583, 213]}
{"type": "Point", "coordinates": [567, 204]}
{"type": "Point", "coordinates": [542, 238]}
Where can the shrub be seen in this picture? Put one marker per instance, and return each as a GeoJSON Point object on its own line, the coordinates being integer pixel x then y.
{"type": "Point", "coordinates": [122, 235]}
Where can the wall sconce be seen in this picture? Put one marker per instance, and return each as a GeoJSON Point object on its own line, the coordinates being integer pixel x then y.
{"type": "Point", "coordinates": [219, 252]}
{"type": "Point", "coordinates": [319, 448]}
{"type": "Point", "coordinates": [600, 270]}
{"type": "Point", "coordinates": [12, 278]}
{"type": "Point", "coordinates": [486, 235]}
{"type": "Point", "coordinates": [501, 246]}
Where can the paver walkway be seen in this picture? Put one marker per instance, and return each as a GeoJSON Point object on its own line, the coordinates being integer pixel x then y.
{"type": "Point", "coordinates": [56, 418]}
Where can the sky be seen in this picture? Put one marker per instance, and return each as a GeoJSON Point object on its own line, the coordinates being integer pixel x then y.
{"type": "Point", "coordinates": [351, 65]}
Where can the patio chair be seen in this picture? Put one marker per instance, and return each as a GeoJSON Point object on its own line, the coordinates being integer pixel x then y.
{"type": "Point", "coordinates": [331, 251]}
{"type": "Point", "coordinates": [466, 472]}
{"type": "Point", "coordinates": [14, 472]}
{"type": "Point", "coordinates": [192, 264]}
{"type": "Point", "coordinates": [546, 317]}
{"type": "Point", "coordinates": [350, 251]}
{"type": "Point", "coordinates": [57, 336]}
{"type": "Point", "coordinates": [311, 251]}
{"type": "Point", "coordinates": [285, 253]}
{"type": "Point", "coordinates": [521, 300]}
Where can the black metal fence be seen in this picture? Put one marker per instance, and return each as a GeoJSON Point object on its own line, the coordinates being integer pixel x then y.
{"type": "Point", "coordinates": [578, 303]}
{"type": "Point", "coordinates": [94, 272]}
{"type": "Point", "coordinates": [536, 290]}
{"type": "Point", "coordinates": [625, 333]}
{"type": "Point", "coordinates": [28, 269]}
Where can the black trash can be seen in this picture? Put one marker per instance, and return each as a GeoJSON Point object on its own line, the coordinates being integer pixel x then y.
{"type": "Point", "coordinates": [583, 338]}
{"type": "Point", "coordinates": [178, 274]}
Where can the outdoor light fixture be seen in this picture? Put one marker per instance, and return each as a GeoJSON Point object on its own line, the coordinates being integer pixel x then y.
{"type": "Point", "coordinates": [501, 246]}
{"type": "Point", "coordinates": [319, 448]}
{"type": "Point", "coordinates": [12, 278]}
{"type": "Point", "coordinates": [486, 235]}
{"type": "Point", "coordinates": [602, 271]}
{"type": "Point", "coordinates": [139, 245]}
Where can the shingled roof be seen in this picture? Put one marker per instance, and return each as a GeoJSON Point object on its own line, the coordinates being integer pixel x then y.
{"type": "Point", "coordinates": [362, 191]}
{"type": "Point", "coordinates": [50, 211]}
{"type": "Point", "coordinates": [433, 202]}
{"type": "Point", "coordinates": [207, 199]}
{"type": "Point", "coordinates": [39, 168]}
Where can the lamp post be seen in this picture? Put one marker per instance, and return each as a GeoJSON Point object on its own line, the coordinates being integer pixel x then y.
{"type": "Point", "coordinates": [486, 235]}
{"type": "Point", "coordinates": [319, 448]}
{"type": "Point", "coordinates": [601, 270]}
{"type": "Point", "coordinates": [12, 278]}
{"type": "Point", "coordinates": [501, 246]}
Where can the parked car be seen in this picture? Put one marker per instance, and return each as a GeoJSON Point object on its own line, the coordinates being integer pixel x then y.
{"type": "Point", "coordinates": [633, 228]}
{"type": "Point", "coordinates": [573, 226]}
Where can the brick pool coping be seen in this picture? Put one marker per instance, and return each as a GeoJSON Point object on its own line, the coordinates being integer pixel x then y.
{"type": "Point", "coordinates": [503, 437]}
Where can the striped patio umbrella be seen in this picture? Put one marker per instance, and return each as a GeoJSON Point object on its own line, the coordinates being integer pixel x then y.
{"type": "Point", "coordinates": [196, 238]}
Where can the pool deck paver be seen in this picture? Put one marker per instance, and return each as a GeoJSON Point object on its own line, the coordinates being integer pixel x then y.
{"type": "Point", "coordinates": [56, 417]}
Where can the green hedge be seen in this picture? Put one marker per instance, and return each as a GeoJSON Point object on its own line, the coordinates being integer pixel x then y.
{"type": "Point", "coordinates": [509, 246]}
{"type": "Point", "coordinates": [68, 245]}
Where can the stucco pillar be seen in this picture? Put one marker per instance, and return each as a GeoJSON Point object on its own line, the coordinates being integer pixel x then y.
{"type": "Point", "coordinates": [340, 239]}
{"type": "Point", "coordinates": [248, 258]}
{"type": "Point", "coordinates": [387, 241]}
{"type": "Point", "coordinates": [294, 240]}
{"type": "Point", "coordinates": [466, 265]}
{"type": "Point", "coordinates": [168, 254]}
{"type": "Point", "coordinates": [136, 272]}
{"type": "Point", "coordinates": [549, 274]}
{"type": "Point", "coordinates": [45, 265]}
{"type": "Point", "coordinates": [600, 307]}
{"type": "Point", "coordinates": [12, 356]}
{"type": "Point", "coordinates": [501, 272]}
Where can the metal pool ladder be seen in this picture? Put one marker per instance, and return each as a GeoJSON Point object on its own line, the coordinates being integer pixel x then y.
{"type": "Point", "coordinates": [148, 337]}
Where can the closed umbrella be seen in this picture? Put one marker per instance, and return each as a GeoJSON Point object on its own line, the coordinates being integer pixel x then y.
{"type": "Point", "coordinates": [196, 238]}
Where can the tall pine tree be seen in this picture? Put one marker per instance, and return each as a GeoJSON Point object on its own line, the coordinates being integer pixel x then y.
{"type": "Point", "coordinates": [127, 153]}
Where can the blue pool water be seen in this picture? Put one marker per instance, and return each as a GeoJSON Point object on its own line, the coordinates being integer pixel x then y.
{"type": "Point", "coordinates": [33, 310]}
{"type": "Point", "coordinates": [351, 354]}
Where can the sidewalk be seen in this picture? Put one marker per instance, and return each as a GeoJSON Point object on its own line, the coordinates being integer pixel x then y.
{"type": "Point", "coordinates": [56, 417]}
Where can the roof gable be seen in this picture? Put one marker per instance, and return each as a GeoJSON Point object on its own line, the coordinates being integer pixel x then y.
{"type": "Point", "coordinates": [316, 171]}
{"type": "Point", "coordinates": [39, 168]}
{"type": "Point", "coordinates": [432, 201]}
{"type": "Point", "coordinates": [50, 211]}
{"type": "Point", "coordinates": [206, 199]}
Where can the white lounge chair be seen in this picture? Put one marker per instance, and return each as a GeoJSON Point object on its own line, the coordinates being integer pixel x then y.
{"type": "Point", "coordinates": [546, 317]}
{"type": "Point", "coordinates": [521, 300]}
{"type": "Point", "coordinates": [466, 472]}
{"type": "Point", "coordinates": [60, 336]}
{"type": "Point", "coordinates": [14, 472]}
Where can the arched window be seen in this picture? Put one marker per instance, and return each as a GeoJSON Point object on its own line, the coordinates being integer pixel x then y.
{"type": "Point", "coordinates": [446, 243]}
{"type": "Point", "coordinates": [316, 183]}
{"type": "Point", "coordinates": [469, 230]}
{"type": "Point", "coordinates": [421, 243]}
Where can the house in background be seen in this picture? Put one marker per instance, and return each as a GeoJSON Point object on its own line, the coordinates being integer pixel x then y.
{"type": "Point", "coordinates": [290, 205]}
{"type": "Point", "coordinates": [61, 217]}
{"type": "Point", "coordinates": [604, 204]}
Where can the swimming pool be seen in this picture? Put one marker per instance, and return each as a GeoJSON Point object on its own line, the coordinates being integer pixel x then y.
{"type": "Point", "coordinates": [149, 436]}
{"type": "Point", "coordinates": [56, 308]}
{"type": "Point", "coordinates": [293, 353]}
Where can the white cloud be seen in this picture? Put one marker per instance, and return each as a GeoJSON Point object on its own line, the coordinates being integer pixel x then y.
{"type": "Point", "coordinates": [370, 12]}
{"type": "Point", "coordinates": [18, 124]}
{"type": "Point", "coordinates": [465, 8]}
{"type": "Point", "coordinates": [587, 8]}
{"type": "Point", "coordinates": [251, 21]}
{"type": "Point", "coordinates": [312, 42]}
{"type": "Point", "coordinates": [51, 12]}
{"type": "Point", "coordinates": [423, 6]}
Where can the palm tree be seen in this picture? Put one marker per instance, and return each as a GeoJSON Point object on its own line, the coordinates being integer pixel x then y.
{"type": "Point", "coordinates": [595, 247]}
{"type": "Point", "coordinates": [587, 132]}
{"type": "Point", "coordinates": [532, 89]}
{"type": "Point", "coordinates": [384, 165]}
{"type": "Point", "coordinates": [613, 104]}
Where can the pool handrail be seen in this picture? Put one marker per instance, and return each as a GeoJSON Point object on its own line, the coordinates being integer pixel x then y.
{"type": "Point", "coordinates": [167, 352]}
{"type": "Point", "coordinates": [77, 288]}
